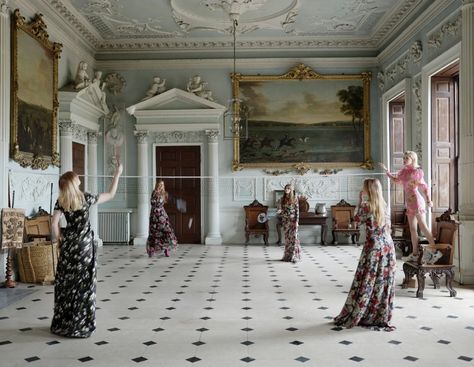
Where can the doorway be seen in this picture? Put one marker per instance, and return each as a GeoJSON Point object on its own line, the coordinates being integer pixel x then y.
{"type": "Point", "coordinates": [173, 164]}
{"type": "Point", "coordinates": [78, 161]}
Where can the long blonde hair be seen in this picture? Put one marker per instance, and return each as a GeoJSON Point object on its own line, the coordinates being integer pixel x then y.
{"type": "Point", "coordinates": [413, 156]}
{"type": "Point", "coordinates": [70, 197]}
{"type": "Point", "coordinates": [291, 197]}
{"type": "Point", "coordinates": [376, 202]}
{"type": "Point", "coordinates": [157, 192]}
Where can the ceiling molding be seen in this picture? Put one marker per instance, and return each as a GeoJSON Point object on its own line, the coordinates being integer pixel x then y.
{"type": "Point", "coordinates": [128, 35]}
{"type": "Point", "coordinates": [390, 23]}
{"type": "Point", "coordinates": [422, 21]}
{"type": "Point", "coordinates": [180, 64]}
{"type": "Point", "coordinates": [68, 15]}
{"type": "Point", "coordinates": [58, 29]}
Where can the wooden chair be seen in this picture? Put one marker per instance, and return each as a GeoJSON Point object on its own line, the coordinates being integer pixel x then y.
{"type": "Point", "coordinates": [445, 238]}
{"type": "Point", "coordinates": [343, 221]}
{"type": "Point", "coordinates": [38, 227]}
{"type": "Point", "coordinates": [256, 222]}
{"type": "Point", "coordinates": [401, 231]}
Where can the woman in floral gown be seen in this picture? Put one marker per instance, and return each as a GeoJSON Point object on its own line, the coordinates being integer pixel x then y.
{"type": "Point", "coordinates": [411, 177]}
{"type": "Point", "coordinates": [161, 236]}
{"type": "Point", "coordinates": [76, 273]}
{"type": "Point", "coordinates": [289, 211]}
{"type": "Point", "coordinates": [370, 299]}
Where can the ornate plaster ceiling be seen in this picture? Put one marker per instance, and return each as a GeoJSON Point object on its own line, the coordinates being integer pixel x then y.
{"type": "Point", "coordinates": [121, 26]}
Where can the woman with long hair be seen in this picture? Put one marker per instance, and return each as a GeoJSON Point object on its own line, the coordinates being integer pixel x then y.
{"type": "Point", "coordinates": [289, 212]}
{"type": "Point", "coordinates": [76, 273]}
{"type": "Point", "coordinates": [161, 236]}
{"type": "Point", "coordinates": [370, 299]}
{"type": "Point", "coordinates": [411, 177]}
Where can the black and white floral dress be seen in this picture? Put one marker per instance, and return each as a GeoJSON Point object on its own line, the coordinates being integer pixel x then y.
{"type": "Point", "coordinates": [75, 284]}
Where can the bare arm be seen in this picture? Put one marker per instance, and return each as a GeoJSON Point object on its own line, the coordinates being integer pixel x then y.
{"type": "Point", "coordinates": [109, 195]}
{"type": "Point", "coordinates": [56, 231]}
{"type": "Point", "coordinates": [390, 175]}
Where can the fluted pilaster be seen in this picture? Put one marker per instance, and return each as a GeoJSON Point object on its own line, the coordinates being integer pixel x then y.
{"type": "Point", "coordinates": [141, 234]}
{"type": "Point", "coordinates": [66, 129]}
{"type": "Point", "coordinates": [92, 184]}
{"type": "Point", "coordinates": [465, 257]}
{"type": "Point", "coordinates": [213, 236]}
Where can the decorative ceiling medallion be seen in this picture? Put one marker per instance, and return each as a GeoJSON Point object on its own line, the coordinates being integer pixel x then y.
{"type": "Point", "coordinates": [217, 15]}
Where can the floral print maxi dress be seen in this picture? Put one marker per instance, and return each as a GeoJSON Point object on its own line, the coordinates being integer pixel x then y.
{"type": "Point", "coordinates": [289, 217]}
{"type": "Point", "coordinates": [370, 299]}
{"type": "Point", "coordinates": [161, 235]}
{"type": "Point", "coordinates": [412, 179]}
{"type": "Point", "coordinates": [76, 275]}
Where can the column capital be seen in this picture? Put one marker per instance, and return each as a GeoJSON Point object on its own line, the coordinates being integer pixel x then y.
{"type": "Point", "coordinates": [92, 136]}
{"type": "Point", "coordinates": [467, 2]}
{"type": "Point", "coordinates": [66, 127]}
{"type": "Point", "coordinates": [212, 135]}
{"type": "Point", "coordinates": [141, 135]}
{"type": "Point", "coordinates": [4, 8]}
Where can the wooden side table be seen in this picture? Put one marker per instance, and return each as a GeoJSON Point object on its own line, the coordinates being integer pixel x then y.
{"type": "Point", "coordinates": [309, 219]}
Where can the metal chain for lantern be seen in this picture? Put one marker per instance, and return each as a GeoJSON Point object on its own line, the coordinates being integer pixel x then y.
{"type": "Point", "coordinates": [236, 115]}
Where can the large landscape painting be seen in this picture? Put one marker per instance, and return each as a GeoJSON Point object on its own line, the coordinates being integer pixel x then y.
{"type": "Point", "coordinates": [317, 120]}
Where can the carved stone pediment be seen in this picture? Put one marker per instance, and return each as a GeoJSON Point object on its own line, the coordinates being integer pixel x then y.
{"type": "Point", "coordinates": [84, 107]}
{"type": "Point", "coordinates": [177, 110]}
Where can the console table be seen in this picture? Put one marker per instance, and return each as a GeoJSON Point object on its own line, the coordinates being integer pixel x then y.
{"type": "Point", "coordinates": [310, 219]}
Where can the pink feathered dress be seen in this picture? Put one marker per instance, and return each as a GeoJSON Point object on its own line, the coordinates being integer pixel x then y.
{"type": "Point", "coordinates": [412, 180]}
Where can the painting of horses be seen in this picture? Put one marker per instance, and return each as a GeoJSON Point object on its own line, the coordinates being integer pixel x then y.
{"type": "Point", "coordinates": [318, 120]}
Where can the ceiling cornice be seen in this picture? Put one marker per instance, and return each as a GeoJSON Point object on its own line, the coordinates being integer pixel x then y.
{"type": "Point", "coordinates": [205, 45]}
{"type": "Point", "coordinates": [316, 63]}
{"type": "Point", "coordinates": [390, 20]}
{"type": "Point", "coordinates": [394, 48]}
{"type": "Point", "coordinates": [58, 29]}
{"type": "Point", "coordinates": [73, 20]}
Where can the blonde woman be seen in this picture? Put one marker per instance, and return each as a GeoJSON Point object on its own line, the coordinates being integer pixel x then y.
{"type": "Point", "coordinates": [289, 212]}
{"type": "Point", "coordinates": [370, 299]}
{"type": "Point", "coordinates": [75, 283]}
{"type": "Point", "coordinates": [411, 177]}
{"type": "Point", "coordinates": [161, 236]}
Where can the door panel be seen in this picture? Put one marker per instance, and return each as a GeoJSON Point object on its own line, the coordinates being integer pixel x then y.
{"type": "Point", "coordinates": [181, 161]}
{"type": "Point", "coordinates": [443, 149]}
{"type": "Point", "coordinates": [397, 149]}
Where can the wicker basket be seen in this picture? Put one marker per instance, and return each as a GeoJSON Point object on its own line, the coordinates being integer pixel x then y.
{"type": "Point", "coordinates": [35, 262]}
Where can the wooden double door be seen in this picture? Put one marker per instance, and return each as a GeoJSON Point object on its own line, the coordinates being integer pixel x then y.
{"type": "Point", "coordinates": [180, 168]}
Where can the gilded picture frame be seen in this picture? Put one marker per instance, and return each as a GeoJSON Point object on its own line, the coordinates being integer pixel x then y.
{"type": "Point", "coordinates": [34, 94]}
{"type": "Point", "coordinates": [302, 119]}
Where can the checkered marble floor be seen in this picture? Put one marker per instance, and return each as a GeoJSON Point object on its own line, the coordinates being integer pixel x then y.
{"type": "Point", "coordinates": [237, 305]}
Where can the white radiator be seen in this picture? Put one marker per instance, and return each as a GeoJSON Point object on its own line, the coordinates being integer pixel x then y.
{"type": "Point", "coordinates": [114, 226]}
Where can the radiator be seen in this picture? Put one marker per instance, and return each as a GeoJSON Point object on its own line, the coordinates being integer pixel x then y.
{"type": "Point", "coordinates": [114, 226]}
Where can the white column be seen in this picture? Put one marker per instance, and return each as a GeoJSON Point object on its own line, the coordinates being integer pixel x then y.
{"type": "Point", "coordinates": [213, 236]}
{"type": "Point", "coordinates": [465, 255]}
{"type": "Point", "coordinates": [4, 100]}
{"type": "Point", "coordinates": [92, 185]}
{"type": "Point", "coordinates": [66, 130]}
{"type": "Point", "coordinates": [141, 234]}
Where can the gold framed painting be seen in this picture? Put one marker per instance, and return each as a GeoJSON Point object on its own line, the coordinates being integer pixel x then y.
{"type": "Point", "coordinates": [34, 94]}
{"type": "Point", "coordinates": [302, 119]}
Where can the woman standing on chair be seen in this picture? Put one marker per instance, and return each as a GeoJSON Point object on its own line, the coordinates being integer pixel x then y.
{"type": "Point", "coordinates": [289, 211]}
{"type": "Point", "coordinates": [161, 236]}
{"type": "Point", "coordinates": [411, 177]}
{"type": "Point", "coordinates": [370, 299]}
{"type": "Point", "coordinates": [76, 273]}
